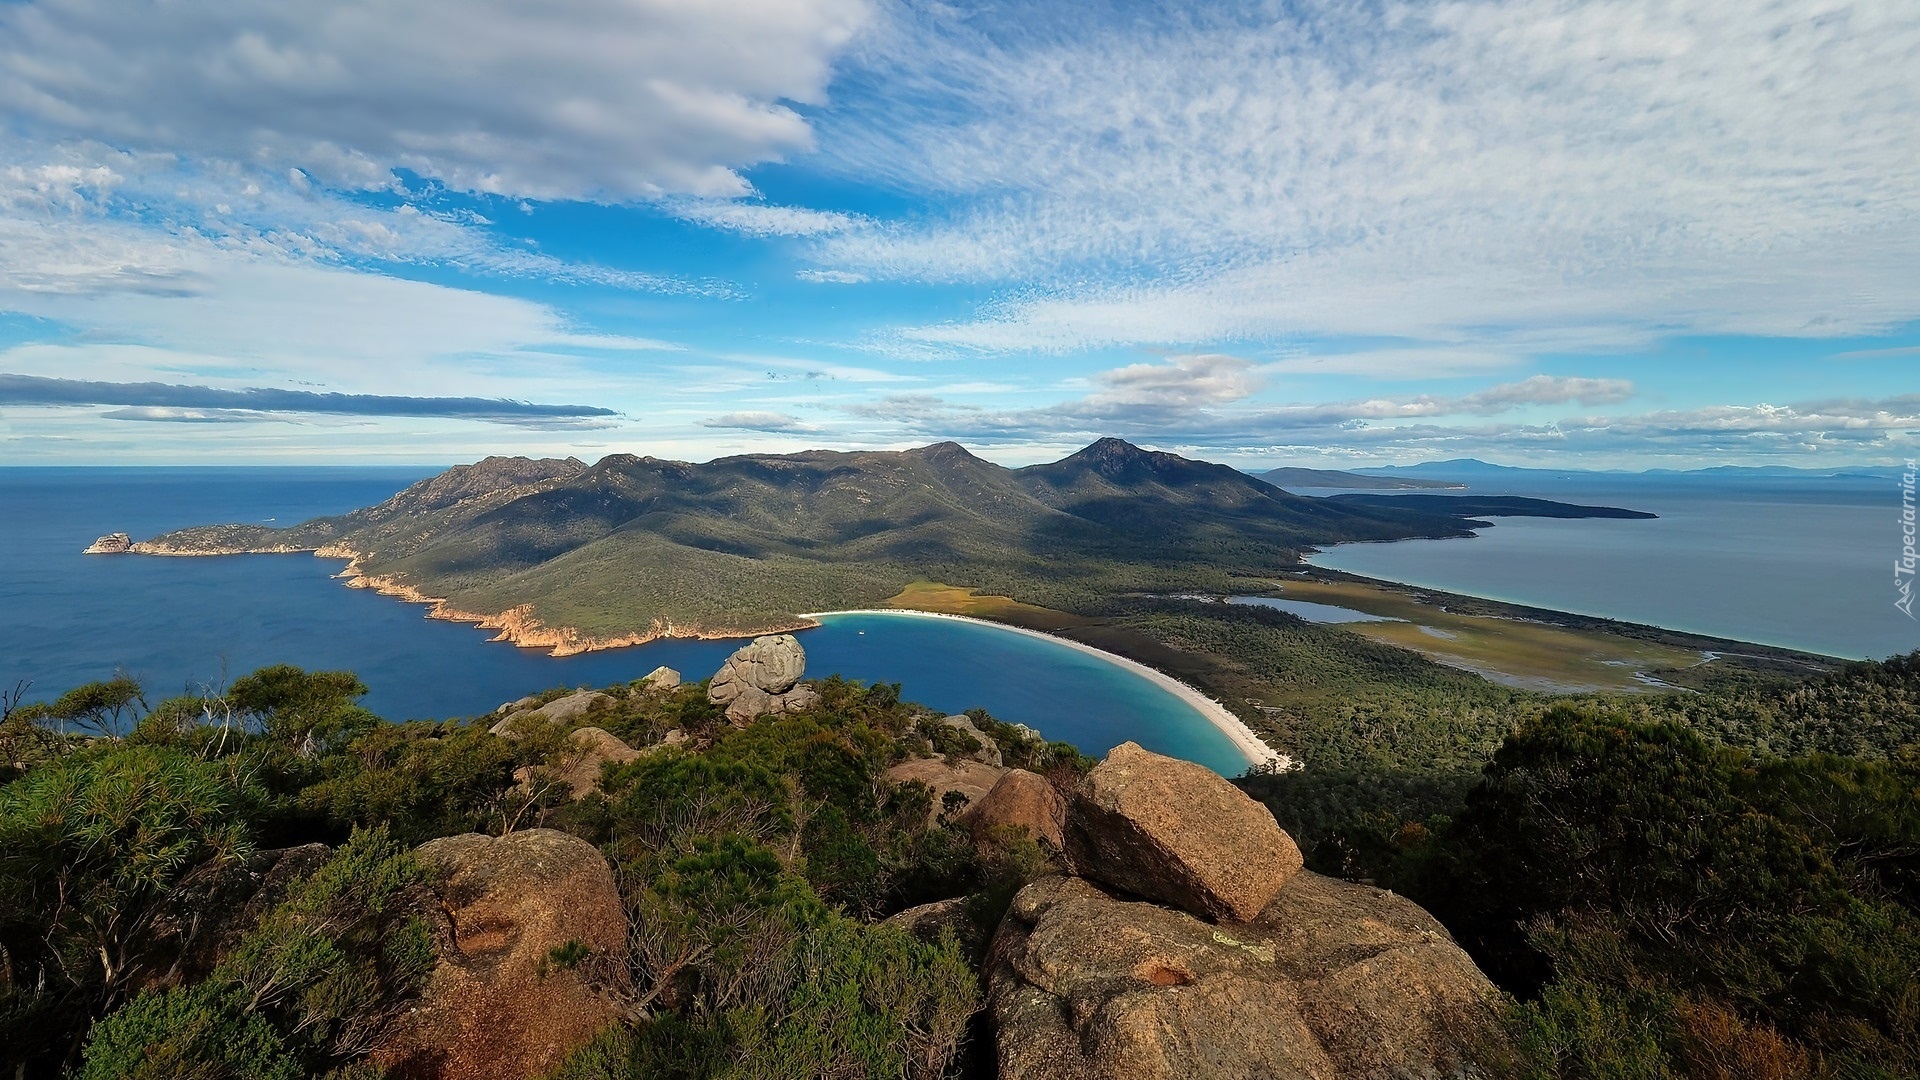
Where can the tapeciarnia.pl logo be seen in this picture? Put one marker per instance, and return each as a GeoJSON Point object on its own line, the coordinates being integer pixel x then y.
{"type": "Point", "coordinates": [1903, 567]}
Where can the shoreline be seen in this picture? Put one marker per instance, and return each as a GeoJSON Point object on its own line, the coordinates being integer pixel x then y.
{"type": "Point", "coordinates": [1223, 719]}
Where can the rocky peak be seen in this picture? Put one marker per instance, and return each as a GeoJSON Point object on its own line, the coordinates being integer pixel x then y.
{"type": "Point", "coordinates": [110, 544]}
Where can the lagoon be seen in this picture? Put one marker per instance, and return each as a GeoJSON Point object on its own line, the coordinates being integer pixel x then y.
{"type": "Point", "coordinates": [184, 623]}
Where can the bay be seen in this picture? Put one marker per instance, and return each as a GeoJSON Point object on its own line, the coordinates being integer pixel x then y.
{"type": "Point", "coordinates": [1803, 563]}
{"type": "Point", "coordinates": [181, 624]}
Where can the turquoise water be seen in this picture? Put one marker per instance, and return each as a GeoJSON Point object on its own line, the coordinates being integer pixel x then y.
{"type": "Point", "coordinates": [1795, 562]}
{"type": "Point", "coordinates": [183, 623]}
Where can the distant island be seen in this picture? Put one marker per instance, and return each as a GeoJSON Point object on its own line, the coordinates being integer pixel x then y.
{"type": "Point", "coordinates": [1492, 506]}
{"type": "Point", "coordinates": [1295, 479]}
{"type": "Point", "coordinates": [558, 554]}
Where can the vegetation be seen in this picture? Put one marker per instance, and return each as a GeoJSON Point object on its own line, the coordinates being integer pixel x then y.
{"type": "Point", "coordinates": [1663, 903]}
{"type": "Point", "coordinates": [225, 887]}
{"type": "Point", "coordinates": [1702, 885]}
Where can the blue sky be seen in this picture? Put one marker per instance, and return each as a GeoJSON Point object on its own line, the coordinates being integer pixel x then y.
{"type": "Point", "coordinates": [1615, 233]}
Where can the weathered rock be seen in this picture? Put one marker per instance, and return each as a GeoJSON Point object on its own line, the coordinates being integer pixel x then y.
{"type": "Point", "coordinates": [571, 707]}
{"type": "Point", "coordinates": [516, 706]}
{"type": "Point", "coordinates": [661, 678]}
{"type": "Point", "coordinates": [110, 544]}
{"type": "Point", "coordinates": [989, 751]}
{"type": "Point", "coordinates": [1025, 800]}
{"type": "Point", "coordinates": [1332, 981]}
{"type": "Point", "coordinates": [973, 779]}
{"type": "Point", "coordinates": [1177, 832]}
{"type": "Point", "coordinates": [560, 710]}
{"type": "Point", "coordinates": [763, 678]}
{"type": "Point", "coordinates": [589, 748]}
{"type": "Point", "coordinates": [496, 1006]}
{"type": "Point", "coordinates": [928, 921]}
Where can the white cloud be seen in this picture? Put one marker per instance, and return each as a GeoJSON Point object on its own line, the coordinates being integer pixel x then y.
{"type": "Point", "coordinates": [598, 99]}
{"type": "Point", "coordinates": [830, 277]}
{"type": "Point", "coordinates": [1182, 381]}
{"type": "Point", "coordinates": [772, 422]}
{"type": "Point", "coordinates": [1456, 173]}
{"type": "Point", "coordinates": [761, 219]}
{"type": "Point", "coordinates": [1204, 400]}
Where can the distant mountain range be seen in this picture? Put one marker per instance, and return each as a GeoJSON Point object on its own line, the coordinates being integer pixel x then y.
{"type": "Point", "coordinates": [1307, 479]}
{"type": "Point", "coordinates": [1467, 469]}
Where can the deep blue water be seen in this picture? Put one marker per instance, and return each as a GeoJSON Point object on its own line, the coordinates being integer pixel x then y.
{"type": "Point", "coordinates": [179, 623]}
{"type": "Point", "coordinates": [1795, 562]}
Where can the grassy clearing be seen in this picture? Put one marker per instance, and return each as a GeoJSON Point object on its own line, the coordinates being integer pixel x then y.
{"type": "Point", "coordinates": [956, 600]}
{"type": "Point", "coordinates": [1513, 652]}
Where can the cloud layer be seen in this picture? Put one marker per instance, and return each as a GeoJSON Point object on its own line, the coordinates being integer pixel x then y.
{"type": "Point", "coordinates": [597, 99]}
{"type": "Point", "coordinates": [1518, 174]}
{"type": "Point", "coordinates": [202, 404]}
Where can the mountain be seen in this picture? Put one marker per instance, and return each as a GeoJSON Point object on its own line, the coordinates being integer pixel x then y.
{"type": "Point", "coordinates": [1467, 469]}
{"type": "Point", "coordinates": [1292, 479]}
{"type": "Point", "coordinates": [558, 553]}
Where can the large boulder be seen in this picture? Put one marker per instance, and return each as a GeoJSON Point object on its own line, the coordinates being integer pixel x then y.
{"type": "Point", "coordinates": [1331, 981]}
{"type": "Point", "coordinates": [1173, 831]}
{"type": "Point", "coordinates": [1024, 800]}
{"type": "Point", "coordinates": [972, 779]}
{"type": "Point", "coordinates": [497, 1006]}
{"type": "Point", "coordinates": [762, 678]}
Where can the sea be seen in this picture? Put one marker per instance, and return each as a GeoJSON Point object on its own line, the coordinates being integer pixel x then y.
{"type": "Point", "coordinates": [1795, 561]}
{"type": "Point", "coordinates": [185, 624]}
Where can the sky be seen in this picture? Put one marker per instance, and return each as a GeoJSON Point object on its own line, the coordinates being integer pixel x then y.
{"type": "Point", "coordinates": [1612, 233]}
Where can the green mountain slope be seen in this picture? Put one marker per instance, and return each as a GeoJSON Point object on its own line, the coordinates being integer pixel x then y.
{"type": "Point", "coordinates": [637, 546]}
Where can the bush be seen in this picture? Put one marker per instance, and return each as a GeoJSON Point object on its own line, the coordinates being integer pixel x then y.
{"type": "Point", "coordinates": [307, 989]}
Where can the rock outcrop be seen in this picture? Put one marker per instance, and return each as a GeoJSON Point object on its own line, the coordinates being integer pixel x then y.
{"type": "Point", "coordinates": [1248, 967]}
{"type": "Point", "coordinates": [578, 766]}
{"type": "Point", "coordinates": [1173, 831]}
{"type": "Point", "coordinates": [763, 678]}
{"type": "Point", "coordinates": [559, 711]}
{"type": "Point", "coordinates": [110, 544]}
{"type": "Point", "coordinates": [661, 678]}
{"type": "Point", "coordinates": [497, 1006]}
{"type": "Point", "coordinates": [1331, 981]}
{"type": "Point", "coordinates": [1024, 800]}
{"type": "Point", "coordinates": [972, 779]}
{"type": "Point", "coordinates": [989, 751]}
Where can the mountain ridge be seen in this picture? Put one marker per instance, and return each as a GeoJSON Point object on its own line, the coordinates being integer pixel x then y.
{"type": "Point", "coordinates": [561, 554]}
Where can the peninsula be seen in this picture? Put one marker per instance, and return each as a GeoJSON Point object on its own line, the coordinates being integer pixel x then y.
{"type": "Point", "coordinates": [557, 554]}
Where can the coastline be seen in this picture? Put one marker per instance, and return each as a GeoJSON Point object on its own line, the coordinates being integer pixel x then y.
{"type": "Point", "coordinates": [1236, 730]}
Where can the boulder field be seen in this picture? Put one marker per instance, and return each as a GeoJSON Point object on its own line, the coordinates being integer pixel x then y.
{"type": "Point", "coordinates": [1187, 941]}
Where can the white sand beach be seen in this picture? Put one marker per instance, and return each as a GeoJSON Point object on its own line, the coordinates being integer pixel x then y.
{"type": "Point", "coordinates": [1236, 731]}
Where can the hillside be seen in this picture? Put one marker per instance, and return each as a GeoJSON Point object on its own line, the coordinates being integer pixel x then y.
{"type": "Point", "coordinates": [555, 552]}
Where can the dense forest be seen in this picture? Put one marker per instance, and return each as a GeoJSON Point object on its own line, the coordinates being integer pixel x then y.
{"type": "Point", "coordinates": [1723, 884]}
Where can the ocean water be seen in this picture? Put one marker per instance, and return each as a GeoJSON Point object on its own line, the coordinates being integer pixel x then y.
{"type": "Point", "coordinates": [1799, 563]}
{"type": "Point", "coordinates": [181, 623]}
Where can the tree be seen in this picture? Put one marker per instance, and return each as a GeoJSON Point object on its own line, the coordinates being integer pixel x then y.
{"type": "Point", "coordinates": [105, 708]}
